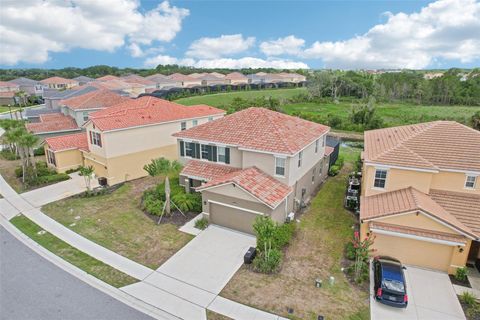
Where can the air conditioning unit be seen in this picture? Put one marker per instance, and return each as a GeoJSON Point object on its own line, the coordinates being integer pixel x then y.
{"type": "Point", "coordinates": [291, 217]}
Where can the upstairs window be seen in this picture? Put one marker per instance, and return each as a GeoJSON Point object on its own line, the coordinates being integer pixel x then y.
{"type": "Point", "coordinates": [380, 178]}
{"type": "Point", "coordinates": [210, 118]}
{"type": "Point", "coordinates": [205, 152]}
{"type": "Point", "coordinates": [96, 139]}
{"type": "Point", "coordinates": [189, 151]}
{"type": "Point", "coordinates": [221, 154]}
{"type": "Point", "coordinates": [194, 123]}
{"type": "Point", "coordinates": [183, 125]}
{"type": "Point", "coordinates": [470, 182]}
{"type": "Point", "coordinates": [85, 116]}
{"type": "Point", "coordinates": [280, 167]}
{"type": "Point", "coordinates": [300, 156]}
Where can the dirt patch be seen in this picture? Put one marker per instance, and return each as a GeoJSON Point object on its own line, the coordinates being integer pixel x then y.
{"type": "Point", "coordinates": [175, 218]}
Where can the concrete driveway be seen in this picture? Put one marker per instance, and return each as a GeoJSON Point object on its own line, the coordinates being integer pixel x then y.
{"type": "Point", "coordinates": [430, 297]}
{"type": "Point", "coordinates": [210, 259]}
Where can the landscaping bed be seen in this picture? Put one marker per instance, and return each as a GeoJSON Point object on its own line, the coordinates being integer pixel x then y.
{"type": "Point", "coordinates": [315, 252]}
{"type": "Point", "coordinates": [117, 222]}
{"type": "Point", "coordinates": [470, 305]}
{"type": "Point", "coordinates": [7, 170]}
{"type": "Point", "coordinates": [79, 259]}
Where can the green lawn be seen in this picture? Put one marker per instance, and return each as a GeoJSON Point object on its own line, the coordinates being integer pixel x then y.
{"type": "Point", "coordinates": [315, 252]}
{"type": "Point", "coordinates": [220, 100]}
{"type": "Point", "coordinates": [115, 221]}
{"type": "Point", "coordinates": [5, 109]}
{"type": "Point", "coordinates": [79, 259]}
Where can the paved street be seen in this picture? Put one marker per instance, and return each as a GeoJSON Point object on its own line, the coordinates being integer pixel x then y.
{"type": "Point", "coordinates": [33, 288]}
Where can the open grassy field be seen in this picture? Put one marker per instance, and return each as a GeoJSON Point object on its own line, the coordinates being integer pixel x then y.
{"type": "Point", "coordinates": [79, 259]}
{"type": "Point", "coordinates": [223, 99]}
{"type": "Point", "coordinates": [315, 252]}
{"type": "Point", "coordinates": [116, 222]}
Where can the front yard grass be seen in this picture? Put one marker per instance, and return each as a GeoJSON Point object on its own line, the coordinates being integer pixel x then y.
{"type": "Point", "coordinates": [216, 316]}
{"type": "Point", "coordinates": [116, 222]}
{"type": "Point", "coordinates": [7, 170]}
{"type": "Point", "coordinates": [79, 259]}
{"type": "Point", "coordinates": [315, 252]}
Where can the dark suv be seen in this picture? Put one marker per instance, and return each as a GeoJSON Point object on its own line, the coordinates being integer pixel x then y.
{"type": "Point", "coordinates": [389, 282]}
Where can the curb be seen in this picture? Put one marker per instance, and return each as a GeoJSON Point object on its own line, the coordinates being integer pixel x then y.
{"type": "Point", "coordinates": [85, 277]}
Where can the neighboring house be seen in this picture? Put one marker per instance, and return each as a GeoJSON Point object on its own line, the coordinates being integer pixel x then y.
{"type": "Point", "coordinates": [421, 194]}
{"type": "Point", "coordinates": [125, 137]}
{"type": "Point", "coordinates": [292, 77]}
{"type": "Point", "coordinates": [8, 86]}
{"type": "Point", "coordinates": [83, 80]}
{"type": "Point", "coordinates": [147, 84]}
{"type": "Point", "coordinates": [59, 83]}
{"type": "Point", "coordinates": [186, 81]}
{"type": "Point", "coordinates": [255, 162]}
{"type": "Point", "coordinates": [236, 78]}
{"type": "Point", "coordinates": [51, 125]}
{"type": "Point", "coordinates": [64, 152]}
{"type": "Point", "coordinates": [80, 107]}
{"type": "Point", "coordinates": [164, 82]}
{"type": "Point", "coordinates": [53, 97]}
{"type": "Point", "coordinates": [108, 78]}
{"type": "Point", "coordinates": [7, 92]}
{"type": "Point", "coordinates": [31, 87]}
{"type": "Point", "coordinates": [208, 79]}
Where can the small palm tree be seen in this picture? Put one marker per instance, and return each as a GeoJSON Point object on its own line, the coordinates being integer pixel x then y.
{"type": "Point", "coordinates": [87, 173]}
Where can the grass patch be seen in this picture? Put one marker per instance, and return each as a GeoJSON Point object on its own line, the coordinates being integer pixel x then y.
{"type": "Point", "coordinates": [116, 221]}
{"type": "Point", "coordinates": [220, 100]}
{"type": "Point", "coordinates": [6, 109]}
{"type": "Point", "coordinates": [216, 316]}
{"type": "Point", "coordinates": [316, 251]}
{"type": "Point", "coordinates": [76, 257]}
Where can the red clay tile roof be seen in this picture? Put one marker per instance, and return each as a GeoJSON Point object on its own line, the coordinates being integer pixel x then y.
{"type": "Point", "coordinates": [256, 182]}
{"type": "Point", "coordinates": [108, 78]}
{"type": "Point", "coordinates": [8, 94]}
{"type": "Point", "coordinates": [8, 84]}
{"type": "Point", "coordinates": [206, 170]}
{"type": "Point", "coordinates": [328, 150]}
{"type": "Point", "coordinates": [147, 110]}
{"type": "Point", "coordinates": [51, 123]}
{"type": "Point", "coordinates": [407, 200]}
{"type": "Point", "coordinates": [57, 80]}
{"type": "Point", "coordinates": [138, 80]}
{"type": "Point", "coordinates": [69, 141]}
{"type": "Point", "coordinates": [259, 129]}
{"type": "Point", "coordinates": [424, 146]}
{"type": "Point", "coordinates": [98, 99]}
{"type": "Point", "coordinates": [463, 206]}
{"type": "Point", "coordinates": [181, 77]}
{"type": "Point", "coordinates": [437, 235]}
{"type": "Point", "coordinates": [236, 76]}
{"type": "Point", "coordinates": [111, 85]}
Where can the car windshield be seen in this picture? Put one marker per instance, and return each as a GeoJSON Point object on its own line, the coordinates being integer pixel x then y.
{"type": "Point", "coordinates": [393, 277]}
{"type": "Point", "coordinates": [394, 285]}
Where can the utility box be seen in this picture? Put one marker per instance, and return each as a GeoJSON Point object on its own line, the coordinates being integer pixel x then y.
{"type": "Point", "coordinates": [102, 181]}
{"type": "Point", "coordinates": [250, 255]}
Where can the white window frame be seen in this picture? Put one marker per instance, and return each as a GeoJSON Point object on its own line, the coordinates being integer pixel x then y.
{"type": "Point", "coordinates": [183, 125]}
{"type": "Point", "coordinates": [189, 147]}
{"type": "Point", "coordinates": [316, 145]}
{"type": "Point", "coordinates": [474, 181]}
{"type": "Point", "coordinates": [85, 116]}
{"type": "Point", "coordinates": [300, 158]}
{"type": "Point", "coordinates": [277, 166]}
{"type": "Point", "coordinates": [194, 123]}
{"type": "Point", "coordinates": [224, 154]}
{"type": "Point", "coordinates": [202, 151]}
{"type": "Point", "coordinates": [384, 179]}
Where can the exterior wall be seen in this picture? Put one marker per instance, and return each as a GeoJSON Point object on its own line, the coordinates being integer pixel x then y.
{"type": "Point", "coordinates": [7, 100]}
{"type": "Point", "coordinates": [417, 221]}
{"type": "Point", "coordinates": [99, 164]}
{"type": "Point", "coordinates": [68, 159]}
{"type": "Point", "coordinates": [453, 181]}
{"type": "Point", "coordinates": [306, 183]}
{"type": "Point", "coordinates": [309, 159]}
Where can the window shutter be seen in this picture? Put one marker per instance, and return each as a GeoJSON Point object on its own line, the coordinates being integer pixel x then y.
{"type": "Point", "coordinates": [214, 153]}
{"type": "Point", "coordinates": [227, 155]}
{"type": "Point", "coordinates": [197, 150]}
{"type": "Point", "coordinates": [210, 153]}
{"type": "Point", "coordinates": [182, 148]}
{"type": "Point", "coordinates": [91, 139]}
{"type": "Point", "coordinates": [99, 140]}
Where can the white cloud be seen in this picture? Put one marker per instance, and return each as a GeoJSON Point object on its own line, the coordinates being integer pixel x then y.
{"type": "Point", "coordinates": [445, 29]}
{"type": "Point", "coordinates": [289, 45]}
{"type": "Point", "coordinates": [31, 29]}
{"type": "Point", "coordinates": [246, 62]}
{"type": "Point", "coordinates": [225, 45]}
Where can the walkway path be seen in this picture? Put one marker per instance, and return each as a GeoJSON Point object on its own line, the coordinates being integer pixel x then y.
{"type": "Point", "coordinates": [160, 290]}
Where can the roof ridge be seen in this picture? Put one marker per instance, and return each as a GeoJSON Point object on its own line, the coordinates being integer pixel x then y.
{"type": "Point", "coordinates": [274, 123]}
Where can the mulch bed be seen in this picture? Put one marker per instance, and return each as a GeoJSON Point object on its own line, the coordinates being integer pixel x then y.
{"type": "Point", "coordinates": [175, 218]}
{"type": "Point", "coordinates": [468, 314]}
{"type": "Point", "coordinates": [465, 283]}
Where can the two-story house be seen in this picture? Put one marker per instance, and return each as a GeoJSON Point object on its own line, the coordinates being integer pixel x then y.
{"type": "Point", "coordinates": [59, 83]}
{"type": "Point", "coordinates": [123, 138]}
{"type": "Point", "coordinates": [253, 162]}
{"type": "Point", "coordinates": [421, 194]}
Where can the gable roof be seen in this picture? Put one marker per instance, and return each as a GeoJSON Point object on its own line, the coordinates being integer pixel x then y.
{"type": "Point", "coordinates": [83, 79]}
{"type": "Point", "coordinates": [65, 94]}
{"type": "Point", "coordinates": [405, 201]}
{"type": "Point", "coordinates": [259, 129]}
{"type": "Point", "coordinates": [98, 99]}
{"type": "Point", "coordinates": [69, 141]}
{"type": "Point", "coordinates": [133, 78]}
{"type": "Point", "coordinates": [181, 77]}
{"type": "Point", "coordinates": [236, 76]}
{"type": "Point", "coordinates": [8, 84]}
{"type": "Point", "coordinates": [205, 170]}
{"type": "Point", "coordinates": [424, 146]}
{"type": "Point", "coordinates": [255, 182]}
{"type": "Point", "coordinates": [108, 78]}
{"type": "Point", "coordinates": [24, 81]}
{"type": "Point", "coordinates": [147, 110]}
{"type": "Point", "coordinates": [57, 80]}
{"type": "Point", "coordinates": [52, 122]}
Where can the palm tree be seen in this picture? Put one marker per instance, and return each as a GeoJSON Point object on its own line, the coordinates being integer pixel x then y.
{"type": "Point", "coordinates": [87, 173]}
{"type": "Point", "coordinates": [25, 142]}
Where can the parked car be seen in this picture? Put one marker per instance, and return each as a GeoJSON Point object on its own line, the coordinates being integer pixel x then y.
{"type": "Point", "coordinates": [390, 287]}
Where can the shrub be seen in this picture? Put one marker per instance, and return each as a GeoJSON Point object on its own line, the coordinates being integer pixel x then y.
{"type": "Point", "coordinates": [461, 274]}
{"type": "Point", "coordinates": [268, 262]}
{"type": "Point", "coordinates": [350, 251]}
{"type": "Point", "coordinates": [50, 179]}
{"type": "Point", "coordinates": [9, 155]}
{"type": "Point", "coordinates": [72, 170]}
{"type": "Point", "coordinates": [18, 172]}
{"type": "Point", "coordinates": [264, 228]}
{"type": "Point", "coordinates": [184, 201]}
{"type": "Point", "coordinates": [283, 235]}
{"type": "Point", "coordinates": [152, 204]}
{"type": "Point", "coordinates": [201, 224]}
{"type": "Point", "coordinates": [334, 170]}
{"type": "Point", "coordinates": [175, 188]}
{"type": "Point", "coordinates": [468, 298]}
{"type": "Point", "coordinates": [40, 151]}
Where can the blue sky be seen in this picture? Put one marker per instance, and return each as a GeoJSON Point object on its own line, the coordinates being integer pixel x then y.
{"type": "Point", "coordinates": [284, 34]}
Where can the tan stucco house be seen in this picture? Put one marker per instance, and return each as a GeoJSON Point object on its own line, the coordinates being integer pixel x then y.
{"type": "Point", "coordinates": [421, 194]}
{"type": "Point", "coordinates": [59, 83]}
{"type": "Point", "coordinates": [123, 138]}
{"type": "Point", "coordinates": [253, 162]}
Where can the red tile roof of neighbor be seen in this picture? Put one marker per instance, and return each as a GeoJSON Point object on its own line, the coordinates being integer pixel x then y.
{"type": "Point", "coordinates": [8, 84]}
{"type": "Point", "coordinates": [206, 170]}
{"type": "Point", "coordinates": [8, 94]}
{"type": "Point", "coordinates": [108, 78]}
{"type": "Point", "coordinates": [236, 76]}
{"type": "Point", "coordinates": [98, 99]}
{"type": "Point", "coordinates": [181, 77]}
{"type": "Point", "coordinates": [147, 110]}
{"type": "Point", "coordinates": [256, 182]}
{"type": "Point", "coordinates": [111, 85]}
{"type": "Point", "coordinates": [51, 123]}
{"type": "Point", "coordinates": [328, 150]}
{"type": "Point", "coordinates": [259, 129]}
{"type": "Point", "coordinates": [138, 80]}
{"type": "Point", "coordinates": [57, 80]}
{"type": "Point", "coordinates": [425, 146]}
{"type": "Point", "coordinates": [404, 201]}
{"type": "Point", "coordinates": [69, 141]}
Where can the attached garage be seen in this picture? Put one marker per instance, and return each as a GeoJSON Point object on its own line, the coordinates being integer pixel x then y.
{"type": "Point", "coordinates": [233, 218]}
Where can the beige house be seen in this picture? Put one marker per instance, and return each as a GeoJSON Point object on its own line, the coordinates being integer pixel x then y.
{"type": "Point", "coordinates": [184, 80]}
{"type": "Point", "coordinates": [253, 162]}
{"type": "Point", "coordinates": [59, 83]}
{"type": "Point", "coordinates": [123, 138]}
{"type": "Point", "coordinates": [65, 152]}
{"type": "Point", "coordinates": [421, 194]}
{"type": "Point", "coordinates": [236, 78]}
